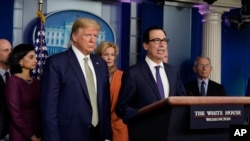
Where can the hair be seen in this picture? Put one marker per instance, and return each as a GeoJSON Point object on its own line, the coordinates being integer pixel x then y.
{"type": "Point", "coordinates": [199, 57]}
{"type": "Point", "coordinates": [5, 41]}
{"type": "Point", "coordinates": [146, 34]}
{"type": "Point", "coordinates": [16, 55]}
{"type": "Point", "coordinates": [100, 49]}
{"type": "Point", "coordinates": [83, 23]}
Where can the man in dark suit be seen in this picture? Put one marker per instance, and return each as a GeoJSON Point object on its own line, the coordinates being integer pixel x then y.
{"type": "Point", "coordinates": [72, 109]}
{"type": "Point", "coordinates": [5, 49]}
{"type": "Point", "coordinates": [140, 82]}
{"type": "Point", "coordinates": [202, 67]}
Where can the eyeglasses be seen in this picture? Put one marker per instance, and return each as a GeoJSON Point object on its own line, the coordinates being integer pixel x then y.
{"type": "Point", "coordinates": [203, 65]}
{"type": "Point", "coordinates": [158, 40]}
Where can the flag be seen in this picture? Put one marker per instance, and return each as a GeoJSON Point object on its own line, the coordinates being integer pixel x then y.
{"type": "Point", "coordinates": [40, 46]}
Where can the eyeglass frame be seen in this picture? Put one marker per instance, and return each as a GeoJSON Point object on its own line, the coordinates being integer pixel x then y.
{"type": "Point", "coordinates": [203, 65]}
{"type": "Point", "coordinates": [158, 40]}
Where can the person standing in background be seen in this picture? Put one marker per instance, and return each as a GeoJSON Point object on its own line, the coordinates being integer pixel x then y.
{"type": "Point", "coordinates": [75, 96]}
{"type": "Point", "coordinates": [22, 95]}
{"type": "Point", "coordinates": [109, 52]}
{"type": "Point", "coordinates": [202, 85]}
{"type": "Point", "coordinates": [5, 49]}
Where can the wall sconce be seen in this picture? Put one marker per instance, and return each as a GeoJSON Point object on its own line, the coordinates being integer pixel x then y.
{"type": "Point", "coordinates": [235, 23]}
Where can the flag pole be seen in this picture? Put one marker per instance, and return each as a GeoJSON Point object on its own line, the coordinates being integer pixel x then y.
{"type": "Point", "coordinates": [40, 4]}
{"type": "Point", "coordinates": [40, 11]}
{"type": "Point", "coordinates": [40, 42]}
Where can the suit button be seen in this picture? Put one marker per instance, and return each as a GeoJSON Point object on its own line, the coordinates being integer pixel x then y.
{"type": "Point", "coordinates": [89, 126]}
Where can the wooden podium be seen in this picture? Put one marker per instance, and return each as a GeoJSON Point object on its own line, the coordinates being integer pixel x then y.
{"type": "Point", "coordinates": [170, 119]}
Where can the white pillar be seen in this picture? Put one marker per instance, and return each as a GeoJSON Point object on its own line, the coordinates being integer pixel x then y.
{"type": "Point", "coordinates": [211, 37]}
{"type": "Point", "coordinates": [133, 34]}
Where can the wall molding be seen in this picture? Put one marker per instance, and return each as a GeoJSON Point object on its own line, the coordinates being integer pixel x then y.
{"type": "Point", "coordinates": [218, 3]}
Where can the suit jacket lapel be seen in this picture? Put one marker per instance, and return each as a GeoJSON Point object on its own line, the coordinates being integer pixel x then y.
{"type": "Point", "coordinates": [97, 68]}
{"type": "Point", "coordinates": [169, 76]}
{"type": "Point", "coordinates": [144, 68]}
{"type": "Point", "coordinates": [2, 84]}
{"type": "Point", "coordinates": [78, 71]}
{"type": "Point", "coordinates": [196, 88]}
{"type": "Point", "coordinates": [1, 80]}
{"type": "Point", "coordinates": [209, 88]}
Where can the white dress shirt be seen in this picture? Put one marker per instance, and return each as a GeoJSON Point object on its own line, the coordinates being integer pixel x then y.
{"type": "Point", "coordinates": [163, 74]}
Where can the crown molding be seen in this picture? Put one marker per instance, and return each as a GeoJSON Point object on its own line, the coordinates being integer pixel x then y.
{"type": "Point", "coordinates": [218, 3]}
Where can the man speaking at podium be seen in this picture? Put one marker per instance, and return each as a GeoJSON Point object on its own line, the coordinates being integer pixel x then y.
{"type": "Point", "coordinates": [149, 80]}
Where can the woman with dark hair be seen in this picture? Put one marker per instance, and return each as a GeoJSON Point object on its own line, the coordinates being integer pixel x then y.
{"type": "Point", "coordinates": [22, 95]}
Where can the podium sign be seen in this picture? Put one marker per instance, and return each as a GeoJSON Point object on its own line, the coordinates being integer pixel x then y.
{"type": "Point", "coordinates": [187, 118]}
{"type": "Point", "coordinates": [215, 116]}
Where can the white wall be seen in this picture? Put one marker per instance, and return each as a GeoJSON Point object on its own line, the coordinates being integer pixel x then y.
{"type": "Point", "coordinates": [179, 47]}
{"type": "Point", "coordinates": [178, 29]}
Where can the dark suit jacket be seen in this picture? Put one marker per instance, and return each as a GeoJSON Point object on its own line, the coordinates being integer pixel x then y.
{"type": "Point", "coordinates": [139, 89]}
{"type": "Point", "coordinates": [65, 103]}
{"type": "Point", "coordinates": [214, 89]}
{"type": "Point", "coordinates": [4, 117]}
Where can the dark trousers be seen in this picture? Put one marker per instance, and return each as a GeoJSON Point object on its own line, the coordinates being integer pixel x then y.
{"type": "Point", "coordinates": [4, 124]}
{"type": "Point", "coordinates": [94, 133]}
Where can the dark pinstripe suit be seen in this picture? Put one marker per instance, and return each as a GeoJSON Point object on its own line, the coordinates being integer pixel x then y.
{"type": "Point", "coordinates": [4, 116]}
{"type": "Point", "coordinates": [214, 89]}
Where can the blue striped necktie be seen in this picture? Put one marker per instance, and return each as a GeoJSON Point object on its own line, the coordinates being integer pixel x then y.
{"type": "Point", "coordinates": [203, 91]}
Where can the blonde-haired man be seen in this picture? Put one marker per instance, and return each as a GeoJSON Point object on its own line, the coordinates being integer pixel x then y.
{"type": "Point", "coordinates": [75, 100]}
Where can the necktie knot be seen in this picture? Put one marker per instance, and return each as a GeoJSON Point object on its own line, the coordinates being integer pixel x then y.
{"type": "Point", "coordinates": [7, 75]}
{"type": "Point", "coordinates": [157, 68]}
{"type": "Point", "coordinates": [85, 59]}
{"type": "Point", "coordinates": [203, 83]}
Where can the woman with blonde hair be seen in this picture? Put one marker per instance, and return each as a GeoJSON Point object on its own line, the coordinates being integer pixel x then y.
{"type": "Point", "coordinates": [109, 52]}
